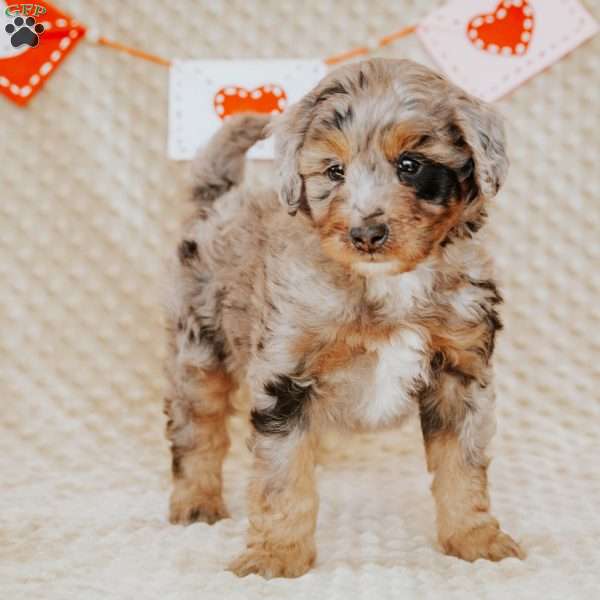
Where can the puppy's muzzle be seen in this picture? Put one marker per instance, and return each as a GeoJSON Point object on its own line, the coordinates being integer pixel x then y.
{"type": "Point", "coordinates": [370, 237]}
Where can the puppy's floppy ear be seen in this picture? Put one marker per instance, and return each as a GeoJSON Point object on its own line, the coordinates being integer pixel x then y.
{"type": "Point", "coordinates": [483, 130]}
{"type": "Point", "coordinates": [289, 130]}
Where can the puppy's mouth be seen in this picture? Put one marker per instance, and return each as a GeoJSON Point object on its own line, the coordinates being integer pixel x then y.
{"type": "Point", "coordinates": [370, 255]}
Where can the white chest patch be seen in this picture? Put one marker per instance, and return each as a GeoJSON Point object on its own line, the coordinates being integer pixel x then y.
{"type": "Point", "coordinates": [400, 365]}
{"type": "Point", "coordinates": [398, 293]}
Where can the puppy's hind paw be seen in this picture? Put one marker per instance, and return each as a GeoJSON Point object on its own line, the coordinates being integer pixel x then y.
{"type": "Point", "coordinates": [487, 541]}
{"type": "Point", "coordinates": [204, 510]}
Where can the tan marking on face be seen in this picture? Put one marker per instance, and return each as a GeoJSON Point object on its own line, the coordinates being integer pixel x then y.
{"type": "Point", "coordinates": [400, 138]}
{"type": "Point", "coordinates": [332, 143]}
{"type": "Point", "coordinates": [419, 137]}
{"type": "Point", "coordinates": [333, 229]}
{"type": "Point", "coordinates": [416, 229]}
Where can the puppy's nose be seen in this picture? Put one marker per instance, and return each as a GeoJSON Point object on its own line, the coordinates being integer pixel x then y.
{"type": "Point", "coordinates": [369, 237]}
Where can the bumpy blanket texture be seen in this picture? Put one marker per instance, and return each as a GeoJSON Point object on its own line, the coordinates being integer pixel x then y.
{"type": "Point", "coordinates": [90, 206]}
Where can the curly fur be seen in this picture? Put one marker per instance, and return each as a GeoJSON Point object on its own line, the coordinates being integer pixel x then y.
{"type": "Point", "coordinates": [326, 332]}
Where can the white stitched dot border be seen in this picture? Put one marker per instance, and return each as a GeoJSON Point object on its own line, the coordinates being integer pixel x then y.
{"type": "Point", "coordinates": [499, 15]}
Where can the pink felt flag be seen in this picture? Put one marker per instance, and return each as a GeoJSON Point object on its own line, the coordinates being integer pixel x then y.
{"type": "Point", "coordinates": [489, 47]}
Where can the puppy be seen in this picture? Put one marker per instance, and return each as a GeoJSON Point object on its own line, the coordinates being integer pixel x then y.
{"type": "Point", "coordinates": [364, 297]}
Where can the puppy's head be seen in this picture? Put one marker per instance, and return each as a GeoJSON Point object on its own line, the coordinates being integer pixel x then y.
{"type": "Point", "coordinates": [389, 160]}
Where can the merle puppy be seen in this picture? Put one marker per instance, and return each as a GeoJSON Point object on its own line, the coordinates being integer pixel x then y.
{"type": "Point", "coordinates": [356, 294]}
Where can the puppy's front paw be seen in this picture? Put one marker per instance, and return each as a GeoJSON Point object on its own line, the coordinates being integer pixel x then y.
{"type": "Point", "coordinates": [280, 562]}
{"type": "Point", "coordinates": [190, 508]}
{"type": "Point", "coordinates": [486, 541]}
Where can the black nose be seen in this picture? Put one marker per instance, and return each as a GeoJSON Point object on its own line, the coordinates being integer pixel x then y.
{"type": "Point", "coordinates": [370, 237]}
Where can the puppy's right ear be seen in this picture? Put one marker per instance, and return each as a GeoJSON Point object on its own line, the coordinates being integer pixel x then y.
{"type": "Point", "coordinates": [289, 130]}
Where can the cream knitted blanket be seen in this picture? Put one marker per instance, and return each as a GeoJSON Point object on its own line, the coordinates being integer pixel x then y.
{"type": "Point", "coordinates": [90, 207]}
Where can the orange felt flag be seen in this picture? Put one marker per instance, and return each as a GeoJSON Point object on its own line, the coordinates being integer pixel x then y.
{"type": "Point", "coordinates": [34, 40]}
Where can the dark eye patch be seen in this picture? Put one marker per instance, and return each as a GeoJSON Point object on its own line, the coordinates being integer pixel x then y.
{"type": "Point", "coordinates": [433, 182]}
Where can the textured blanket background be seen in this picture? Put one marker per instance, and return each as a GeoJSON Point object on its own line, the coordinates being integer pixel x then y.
{"type": "Point", "coordinates": [89, 208]}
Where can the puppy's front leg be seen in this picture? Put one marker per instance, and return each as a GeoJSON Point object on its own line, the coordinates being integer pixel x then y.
{"type": "Point", "coordinates": [457, 422]}
{"type": "Point", "coordinates": [282, 497]}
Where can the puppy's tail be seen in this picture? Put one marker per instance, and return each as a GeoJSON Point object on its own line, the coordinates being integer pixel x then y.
{"type": "Point", "coordinates": [219, 166]}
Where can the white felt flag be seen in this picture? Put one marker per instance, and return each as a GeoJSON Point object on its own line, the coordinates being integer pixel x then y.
{"type": "Point", "coordinates": [489, 47]}
{"type": "Point", "coordinates": [205, 92]}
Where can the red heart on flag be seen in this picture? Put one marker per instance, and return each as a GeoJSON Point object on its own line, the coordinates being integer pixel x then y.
{"type": "Point", "coordinates": [28, 54]}
{"type": "Point", "coordinates": [234, 99]}
{"type": "Point", "coordinates": [507, 31]}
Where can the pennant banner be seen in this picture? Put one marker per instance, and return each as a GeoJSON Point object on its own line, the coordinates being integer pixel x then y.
{"type": "Point", "coordinates": [487, 47]}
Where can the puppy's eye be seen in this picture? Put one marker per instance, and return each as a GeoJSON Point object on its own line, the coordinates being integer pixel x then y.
{"type": "Point", "coordinates": [336, 173]}
{"type": "Point", "coordinates": [408, 166]}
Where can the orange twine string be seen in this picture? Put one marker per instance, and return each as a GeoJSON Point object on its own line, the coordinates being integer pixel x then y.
{"type": "Point", "coordinates": [386, 40]}
{"type": "Point", "coordinates": [331, 60]}
{"type": "Point", "coordinates": [133, 52]}
{"type": "Point", "coordinates": [343, 56]}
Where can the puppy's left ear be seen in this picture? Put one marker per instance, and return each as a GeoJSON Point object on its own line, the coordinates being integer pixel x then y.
{"type": "Point", "coordinates": [289, 130]}
{"type": "Point", "coordinates": [483, 130]}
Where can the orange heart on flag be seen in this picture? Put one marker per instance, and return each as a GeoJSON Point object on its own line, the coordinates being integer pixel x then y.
{"type": "Point", "coordinates": [234, 99]}
{"type": "Point", "coordinates": [34, 40]}
{"type": "Point", "coordinates": [507, 31]}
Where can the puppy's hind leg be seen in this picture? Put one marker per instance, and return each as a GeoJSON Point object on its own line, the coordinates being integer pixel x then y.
{"type": "Point", "coordinates": [197, 407]}
{"type": "Point", "coordinates": [197, 404]}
